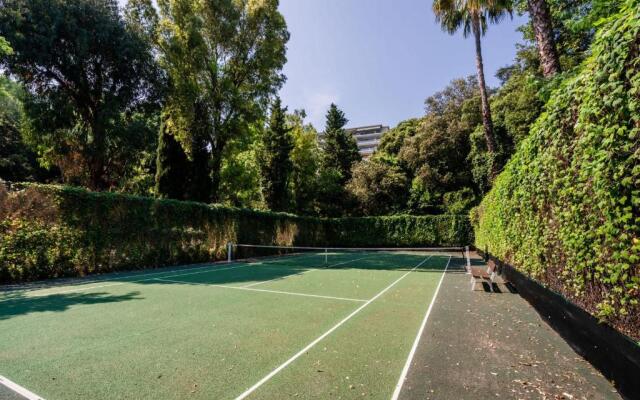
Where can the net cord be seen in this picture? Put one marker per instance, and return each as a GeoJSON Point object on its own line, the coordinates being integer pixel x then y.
{"type": "Point", "coordinates": [463, 250]}
{"type": "Point", "coordinates": [264, 246]}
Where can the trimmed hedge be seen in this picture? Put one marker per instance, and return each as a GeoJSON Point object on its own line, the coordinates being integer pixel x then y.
{"type": "Point", "coordinates": [400, 231]}
{"type": "Point", "coordinates": [566, 209]}
{"type": "Point", "coordinates": [51, 231]}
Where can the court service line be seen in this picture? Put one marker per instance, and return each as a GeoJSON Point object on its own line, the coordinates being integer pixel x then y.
{"type": "Point", "coordinates": [262, 290]}
{"type": "Point", "coordinates": [308, 270]}
{"type": "Point", "coordinates": [324, 335]}
{"type": "Point", "coordinates": [407, 365]}
{"type": "Point", "coordinates": [19, 389]}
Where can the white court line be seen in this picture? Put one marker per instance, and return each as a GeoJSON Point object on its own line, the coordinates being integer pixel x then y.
{"type": "Point", "coordinates": [261, 290]}
{"type": "Point", "coordinates": [19, 389]}
{"type": "Point", "coordinates": [407, 365]}
{"type": "Point", "coordinates": [308, 270]}
{"type": "Point", "coordinates": [324, 335]}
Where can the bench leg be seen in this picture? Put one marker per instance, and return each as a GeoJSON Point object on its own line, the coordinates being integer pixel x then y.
{"type": "Point", "coordinates": [473, 283]}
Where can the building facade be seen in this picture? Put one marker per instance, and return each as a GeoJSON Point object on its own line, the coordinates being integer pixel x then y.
{"type": "Point", "coordinates": [367, 138]}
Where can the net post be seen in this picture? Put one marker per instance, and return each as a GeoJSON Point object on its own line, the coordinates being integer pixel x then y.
{"type": "Point", "coordinates": [326, 255]}
{"type": "Point", "coordinates": [466, 250]}
{"type": "Point", "coordinates": [229, 247]}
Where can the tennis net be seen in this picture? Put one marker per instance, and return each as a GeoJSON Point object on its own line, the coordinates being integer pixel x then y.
{"type": "Point", "coordinates": [318, 256]}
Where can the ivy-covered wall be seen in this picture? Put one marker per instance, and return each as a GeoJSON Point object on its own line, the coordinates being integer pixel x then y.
{"type": "Point", "coordinates": [53, 231]}
{"type": "Point", "coordinates": [566, 209]}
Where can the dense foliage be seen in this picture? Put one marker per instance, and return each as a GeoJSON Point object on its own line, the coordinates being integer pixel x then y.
{"type": "Point", "coordinates": [379, 188]}
{"type": "Point", "coordinates": [223, 59]}
{"type": "Point", "coordinates": [86, 76]}
{"type": "Point", "coordinates": [54, 231]}
{"type": "Point", "coordinates": [566, 209]}
{"type": "Point", "coordinates": [275, 158]}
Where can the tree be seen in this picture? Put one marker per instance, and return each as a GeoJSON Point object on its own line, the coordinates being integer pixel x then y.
{"type": "Point", "coordinates": [340, 148]}
{"type": "Point", "coordinates": [171, 166]}
{"type": "Point", "coordinates": [275, 158]}
{"type": "Point", "coordinates": [305, 157]}
{"type": "Point", "coordinates": [17, 161]}
{"type": "Point", "coordinates": [5, 47]}
{"type": "Point", "coordinates": [379, 188]}
{"type": "Point", "coordinates": [543, 28]}
{"type": "Point", "coordinates": [241, 175]}
{"type": "Point", "coordinates": [224, 60]}
{"type": "Point", "coordinates": [391, 142]}
{"type": "Point", "coordinates": [572, 23]}
{"type": "Point", "coordinates": [435, 156]}
{"type": "Point", "coordinates": [473, 17]}
{"type": "Point", "coordinates": [84, 72]}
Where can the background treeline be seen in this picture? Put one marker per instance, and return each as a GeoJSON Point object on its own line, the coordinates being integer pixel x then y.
{"type": "Point", "coordinates": [178, 100]}
{"type": "Point", "coordinates": [49, 231]}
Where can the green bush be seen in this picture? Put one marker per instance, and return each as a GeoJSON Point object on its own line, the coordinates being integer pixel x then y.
{"type": "Point", "coordinates": [54, 231]}
{"type": "Point", "coordinates": [566, 209]}
{"type": "Point", "coordinates": [400, 230]}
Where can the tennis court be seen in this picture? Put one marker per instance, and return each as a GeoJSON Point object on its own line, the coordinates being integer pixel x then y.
{"type": "Point", "coordinates": [310, 324]}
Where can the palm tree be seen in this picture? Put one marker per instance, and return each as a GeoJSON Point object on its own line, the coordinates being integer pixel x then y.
{"type": "Point", "coordinates": [543, 30]}
{"type": "Point", "coordinates": [473, 16]}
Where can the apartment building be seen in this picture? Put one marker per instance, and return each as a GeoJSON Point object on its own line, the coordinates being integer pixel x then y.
{"type": "Point", "coordinates": [367, 137]}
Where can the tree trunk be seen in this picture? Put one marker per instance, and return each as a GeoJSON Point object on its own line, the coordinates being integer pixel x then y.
{"type": "Point", "coordinates": [487, 123]}
{"type": "Point", "coordinates": [543, 30]}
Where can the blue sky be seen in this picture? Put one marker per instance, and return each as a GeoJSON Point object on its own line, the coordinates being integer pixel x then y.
{"type": "Point", "coordinates": [378, 59]}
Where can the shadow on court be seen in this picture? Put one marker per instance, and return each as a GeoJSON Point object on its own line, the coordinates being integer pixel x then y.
{"type": "Point", "coordinates": [20, 302]}
{"type": "Point", "coordinates": [58, 302]}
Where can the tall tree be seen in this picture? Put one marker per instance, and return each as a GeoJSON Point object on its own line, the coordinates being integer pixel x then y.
{"type": "Point", "coordinates": [17, 163]}
{"type": "Point", "coordinates": [473, 16]}
{"type": "Point", "coordinates": [435, 156]}
{"type": "Point", "coordinates": [171, 166]}
{"type": "Point", "coordinates": [543, 29]}
{"type": "Point", "coordinates": [275, 158]}
{"type": "Point", "coordinates": [340, 147]}
{"type": "Point", "coordinates": [224, 60]}
{"type": "Point", "coordinates": [379, 187]}
{"type": "Point", "coordinates": [84, 72]}
{"type": "Point", "coordinates": [305, 157]}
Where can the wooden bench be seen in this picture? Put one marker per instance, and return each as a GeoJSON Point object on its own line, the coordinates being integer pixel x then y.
{"type": "Point", "coordinates": [488, 274]}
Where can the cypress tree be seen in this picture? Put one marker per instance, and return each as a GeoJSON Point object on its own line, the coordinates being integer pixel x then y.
{"type": "Point", "coordinates": [171, 166]}
{"type": "Point", "coordinates": [275, 160]}
{"type": "Point", "coordinates": [340, 147]}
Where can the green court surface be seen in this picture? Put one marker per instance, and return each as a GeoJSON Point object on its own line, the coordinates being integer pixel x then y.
{"type": "Point", "coordinates": [293, 326]}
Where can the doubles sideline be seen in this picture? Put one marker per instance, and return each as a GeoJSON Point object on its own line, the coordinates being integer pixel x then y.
{"type": "Point", "coordinates": [324, 335]}
{"type": "Point", "coordinates": [407, 365]}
